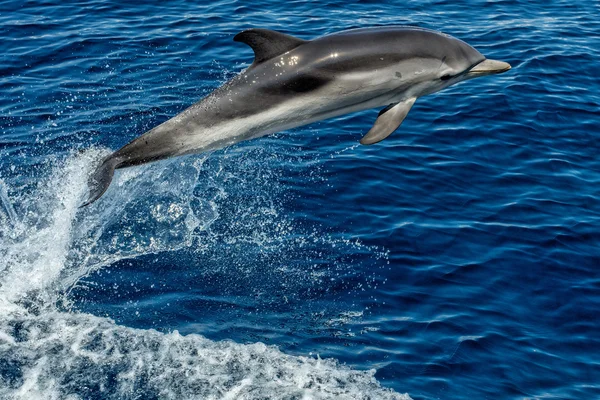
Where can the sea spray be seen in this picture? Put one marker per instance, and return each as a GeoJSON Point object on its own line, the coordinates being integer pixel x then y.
{"type": "Point", "coordinates": [7, 205]}
{"type": "Point", "coordinates": [50, 352]}
{"type": "Point", "coordinates": [34, 260]}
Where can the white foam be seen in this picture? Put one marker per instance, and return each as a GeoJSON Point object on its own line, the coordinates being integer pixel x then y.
{"type": "Point", "coordinates": [61, 354]}
{"type": "Point", "coordinates": [46, 353]}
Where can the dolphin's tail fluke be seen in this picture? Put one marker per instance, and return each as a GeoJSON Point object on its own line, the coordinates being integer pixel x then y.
{"type": "Point", "coordinates": [100, 180]}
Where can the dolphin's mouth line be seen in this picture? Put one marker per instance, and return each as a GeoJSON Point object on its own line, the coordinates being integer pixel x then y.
{"type": "Point", "coordinates": [463, 73]}
{"type": "Point", "coordinates": [489, 67]}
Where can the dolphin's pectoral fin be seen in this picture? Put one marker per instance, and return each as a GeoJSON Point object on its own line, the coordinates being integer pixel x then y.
{"type": "Point", "coordinates": [267, 44]}
{"type": "Point", "coordinates": [388, 121]}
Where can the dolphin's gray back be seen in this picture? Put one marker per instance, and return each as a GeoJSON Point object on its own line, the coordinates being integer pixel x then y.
{"type": "Point", "coordinates": [315, 64]}
{"type": "Point", "coordinates": [369, 48]}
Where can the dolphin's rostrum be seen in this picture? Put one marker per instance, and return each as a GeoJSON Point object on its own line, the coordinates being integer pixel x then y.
{"type": "Point", "coordinates": [293, 82]}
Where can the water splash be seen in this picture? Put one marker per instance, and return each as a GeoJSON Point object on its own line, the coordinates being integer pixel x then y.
{"type": "Point", "coordinates": [5, 201]}
{"type": "Point", "coordinates": [35, 254]}
{"type": "Point", "coordinates": [49, 353]}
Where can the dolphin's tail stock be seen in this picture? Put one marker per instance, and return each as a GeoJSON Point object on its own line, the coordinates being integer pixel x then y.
{"type": "Point", "coordinates": [100, 180]}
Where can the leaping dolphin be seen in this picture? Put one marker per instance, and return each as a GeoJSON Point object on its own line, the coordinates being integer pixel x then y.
{"type": "Point", "coordinates": [293, 82]}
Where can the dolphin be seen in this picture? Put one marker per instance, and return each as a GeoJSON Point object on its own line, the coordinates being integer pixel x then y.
{"type": "Point", "coordinates": [294, 82]}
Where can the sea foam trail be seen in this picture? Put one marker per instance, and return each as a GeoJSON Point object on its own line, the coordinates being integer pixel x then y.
{"type": "Point", "coordinates": [48, 353]}
{"type": "Point", "coordinates": [69, 354]}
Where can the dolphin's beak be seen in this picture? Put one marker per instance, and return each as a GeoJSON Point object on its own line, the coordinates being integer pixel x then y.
{"type": "Point", "coordinates": [488, 67]}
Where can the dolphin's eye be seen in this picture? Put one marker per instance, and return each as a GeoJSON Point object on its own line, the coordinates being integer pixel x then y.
{"type": "Point", "coordinates": [446, 77]}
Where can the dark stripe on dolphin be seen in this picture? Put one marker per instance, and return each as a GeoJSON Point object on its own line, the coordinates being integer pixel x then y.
{"type": "Point", "coordinates": [297, 84]}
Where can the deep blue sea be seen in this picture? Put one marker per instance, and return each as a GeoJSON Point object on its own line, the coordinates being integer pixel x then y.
{"type": "Point", "coordinates": [458, 259]}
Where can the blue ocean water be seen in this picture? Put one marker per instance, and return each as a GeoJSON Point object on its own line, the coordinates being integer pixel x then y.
{"type": "Point", "coordinates": [458, 259]}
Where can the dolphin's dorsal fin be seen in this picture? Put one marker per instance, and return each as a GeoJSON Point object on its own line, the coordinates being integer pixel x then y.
{"type": "Point", "coordinates": [267, 44]}
{"type": "Point", "coordinates": [388, 121]}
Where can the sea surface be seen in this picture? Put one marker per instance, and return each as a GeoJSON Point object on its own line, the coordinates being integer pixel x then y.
{"type": "Point", "coordinates": [458, 259]}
